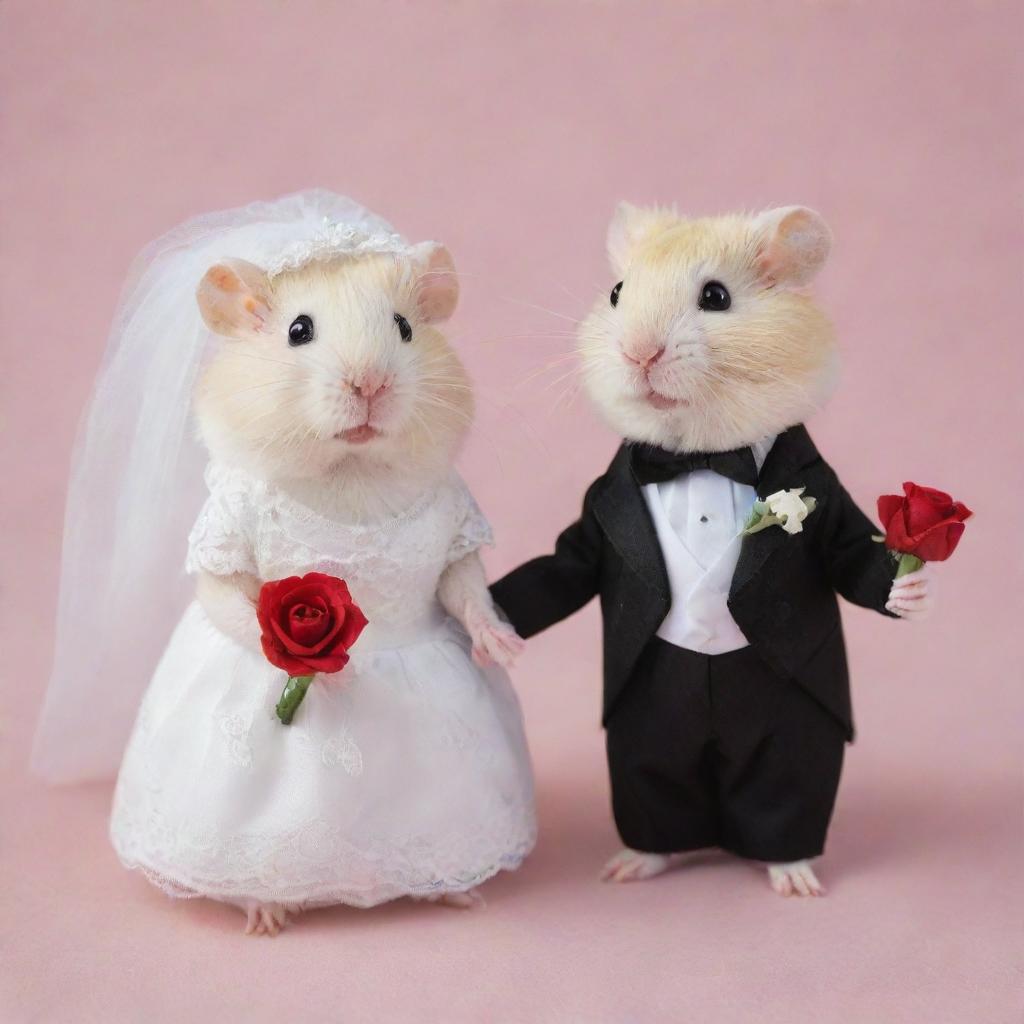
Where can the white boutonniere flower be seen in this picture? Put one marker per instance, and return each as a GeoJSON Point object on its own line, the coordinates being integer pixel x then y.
{"type": "Point", "coordinates": [787, 509]}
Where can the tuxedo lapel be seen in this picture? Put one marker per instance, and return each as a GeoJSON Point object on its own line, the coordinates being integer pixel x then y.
{"type": "Point", "coordinates": [784, 468]}
{"type": "Point", "coordinates": [626, 520]}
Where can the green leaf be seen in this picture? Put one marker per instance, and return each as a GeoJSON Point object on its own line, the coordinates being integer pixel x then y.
{"type": "Point", "coordinates": [762, 524]}
{"type": "Point", "coordinates": [756, 514]}
{"type": "Point", "coordinates": [291, 697]}
{"type": "Point", "coordinates": [908, 564]}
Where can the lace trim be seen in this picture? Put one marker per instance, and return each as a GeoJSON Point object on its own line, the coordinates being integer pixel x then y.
{"type": "Point", "coordinates": [414, 870]}
{"type": "Point", "coordinates": [474, 530]}
{"type": "Point", "coordinates": [475, 534]}
{"type": "Point", "coordinates": [219, 541]}
{"type": "Point", "coordinates": [336, 239]}
{"type": "Point", "coordinates": [304, 514]}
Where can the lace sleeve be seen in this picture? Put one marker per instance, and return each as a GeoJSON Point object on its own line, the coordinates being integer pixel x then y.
{"type": "Point", "coordinates": [472, 531]}
{"type": "Point", "coordinates": [221, 542]}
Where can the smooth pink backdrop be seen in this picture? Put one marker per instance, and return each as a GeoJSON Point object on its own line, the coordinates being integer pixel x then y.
{"type": "Point", "coordinates": [510, 130]}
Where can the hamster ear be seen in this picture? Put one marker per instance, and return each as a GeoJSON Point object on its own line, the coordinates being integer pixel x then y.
{"type": "Point", "coordinates": [234, 298]}
{"type": "Point", "coordinates": [631, 225]}
{"type": "Point", "coordinates": [793, 244]}
{"type": "Point", "coordinates": [437, 283]}
{"type": "Point", "coordinates": [437, 287]}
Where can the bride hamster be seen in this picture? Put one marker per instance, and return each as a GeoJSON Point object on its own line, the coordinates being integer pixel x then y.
{"type": "Point", "coordinates": [332, 412]}
{"type": "Point", "coordinates": [726, 698]}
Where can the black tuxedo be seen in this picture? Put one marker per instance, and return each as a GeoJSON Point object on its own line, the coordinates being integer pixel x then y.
{"type": "Point", "coordinates": [782, 597]}
{"type": "Point", "coordinates": [783, 590]}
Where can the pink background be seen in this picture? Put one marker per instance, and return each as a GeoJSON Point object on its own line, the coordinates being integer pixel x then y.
{"type": "Point", "coordinates": [510, 130]}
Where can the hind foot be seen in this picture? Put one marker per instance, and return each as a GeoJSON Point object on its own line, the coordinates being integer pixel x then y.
{"type": "Point", "coordinates": [471, 899]}
{"type": "Point", "coordinates": [267, 918]}
{"type": "Point", "coordinates": [796, 879]}
{"type": "Point", "coordinates": [468, 900]}
{"type": "Point", "coordinates": [632, 866]}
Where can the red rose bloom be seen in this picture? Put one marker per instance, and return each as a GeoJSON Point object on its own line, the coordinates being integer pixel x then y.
{"type": "Point", "coordinates": [922, 522]}
{"type": "Point", "coordinates": [309, 623]}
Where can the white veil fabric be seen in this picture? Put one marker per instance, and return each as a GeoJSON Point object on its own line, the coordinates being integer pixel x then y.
{"type": "Point", "coordinates": [136, 481]}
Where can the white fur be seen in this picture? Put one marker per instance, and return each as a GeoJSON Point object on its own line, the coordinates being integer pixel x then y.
{"type": "Point", "coordinates": [282, 412]}
{"type": "Point", "coordinates": [724, 379]}
{"type": "Point", "coordinates": [913, 596]}
{"type": "Point", "coordinates": [633, 866]}
{"type": "Point", "coordinates": [795, 879]}
{"type": "Point", "coordinates": [230, 602]}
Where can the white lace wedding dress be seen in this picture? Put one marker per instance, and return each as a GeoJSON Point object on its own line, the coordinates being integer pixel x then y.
{"type": "Point", "coordinates": [407, 773]}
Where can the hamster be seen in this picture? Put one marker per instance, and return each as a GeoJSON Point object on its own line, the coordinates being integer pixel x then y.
{"type": "Point", "coordinates": [662, 370]}
{"type": "Point", "coordinates": [726, 698]}
{"type": "Point", "coordinates": [349, 411]}
{"type": "Point", "coordinates": [355, 426]}
{"type": "Point", "coordinates": [333, 410]}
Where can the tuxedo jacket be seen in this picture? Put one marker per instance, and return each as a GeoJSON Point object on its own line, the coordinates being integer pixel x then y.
{"type": "Point", "coordinates": [783, 591]}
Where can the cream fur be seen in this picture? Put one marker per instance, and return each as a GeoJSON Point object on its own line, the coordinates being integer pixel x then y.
{"type": "Point", "coordinates": [280, 411]}
{"type": "Point", "coordinates": [734, 377]}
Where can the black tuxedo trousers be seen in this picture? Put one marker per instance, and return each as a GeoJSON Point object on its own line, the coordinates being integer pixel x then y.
{"type": "Point", "coordinates": [717, 750]}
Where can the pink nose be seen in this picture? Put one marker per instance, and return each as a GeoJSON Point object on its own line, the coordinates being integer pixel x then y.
{"type": "Point", "coordinates": [643, 352]}
{"type": "Point", "coordinates": [370, 384]}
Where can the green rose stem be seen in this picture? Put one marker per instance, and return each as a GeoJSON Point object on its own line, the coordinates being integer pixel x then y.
{"type": "Point", "coordinates": [908, 564]}
{"type": "Point", "coordinates": [291, 697]}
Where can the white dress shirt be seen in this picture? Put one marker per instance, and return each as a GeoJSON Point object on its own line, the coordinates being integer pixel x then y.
{"type": "Point", "coordinates": [699, 518]}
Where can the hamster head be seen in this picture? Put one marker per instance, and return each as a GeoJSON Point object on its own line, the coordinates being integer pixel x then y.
{"type": "Point", "coordinates": [336, 365]}
{"type": "Point", "coordinates": [709, 340]}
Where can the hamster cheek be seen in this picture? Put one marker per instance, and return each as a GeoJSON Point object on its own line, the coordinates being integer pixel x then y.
{"type": "Point", "coordinates": [684, 368]}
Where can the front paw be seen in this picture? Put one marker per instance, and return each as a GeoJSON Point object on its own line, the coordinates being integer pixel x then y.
{"type": "Point", "coordinates": [494, 642]}
{"type": "Point", "coordinates": [912, 596]}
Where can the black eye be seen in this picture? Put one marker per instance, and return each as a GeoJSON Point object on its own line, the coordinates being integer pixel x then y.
{"type": "Point", "coordinates": [301, 330]}
{"type": "Point", "coordinates": [715, 297]}
{"type": "Point", "coordinates": [403, 327]}
{"type": "Point", "coordinates": [615, 294]}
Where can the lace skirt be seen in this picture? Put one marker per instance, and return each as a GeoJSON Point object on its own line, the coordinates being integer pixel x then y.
{"type": "Point", "coordinates": [405, 774]}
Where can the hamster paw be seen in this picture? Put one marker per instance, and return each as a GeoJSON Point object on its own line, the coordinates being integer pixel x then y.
{"type": "Point", "coordinates": [912, 596]}
{"type": "Point", "coordinates": [268, 918]}
{"type": "Point", "coordinates": [796, 879]}
{"type": "Point", "coordinates": [632, 866]}
{"type": "Point", "coordinates": [471, 899]}
{"type": "Point", "coordinates": [494, 642]}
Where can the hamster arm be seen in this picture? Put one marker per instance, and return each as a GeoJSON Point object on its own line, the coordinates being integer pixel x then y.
{"type": "Point", "coordinates": [550, 588]}
{"type": "Point", "coordinates": [463, 592]}
{"type": "Point", "coordinates": [230, 603]}
{"type": "Point", "coordinates": [858, 567]}
{"type": "Point", "coordinates": [463, 585]}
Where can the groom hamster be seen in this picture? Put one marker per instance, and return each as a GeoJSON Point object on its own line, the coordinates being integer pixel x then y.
{"type": "Point", "coordinates": [707, 344]}
{"type": "Point", "coordinates": [726, 697]}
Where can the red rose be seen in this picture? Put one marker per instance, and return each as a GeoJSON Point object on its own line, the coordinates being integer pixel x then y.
{"type": "Point", "coordinates": [309, 623]}
{"type": "Point", "coordinates": [923, 522]}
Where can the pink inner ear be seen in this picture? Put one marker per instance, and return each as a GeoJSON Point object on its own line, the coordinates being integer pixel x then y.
{"type": "Point", "coordinates": [224, 279]}
{"type": "Point", "coordinates": [777, 263]}
{"type": "Point", "coordinates": [767, 264]}
{"type": "Point", "coordinates": [437, 291]}
{"type": "Point", "coordinates": [794, 251]}
{"type": "Point", "coordinates": [231, 299]}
